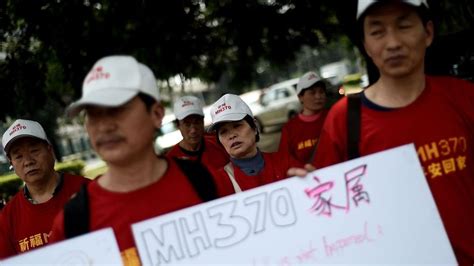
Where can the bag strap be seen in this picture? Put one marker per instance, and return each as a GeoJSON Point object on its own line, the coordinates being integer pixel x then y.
{"type": "Point", "coordinates": [353, 125]}
{"type": "Point", "coordinates": [76, 210]}
{"type": "Point", "coordinates": [199, 177]}
{"type": "Point", "coordinates": [313, 153]}
{"type": "Point", "coordinates": [229, 169]}
{"type": "Point", "coordinates": [76, 214]}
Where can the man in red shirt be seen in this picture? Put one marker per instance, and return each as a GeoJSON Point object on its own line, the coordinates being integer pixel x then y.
{"type": "Point", "coordinates": [122, 113]}
{"type": "Point", "coordinates": [26, 220]}
{"type": "Point", "coordinates": [300, 134]}
{"type": "Point", "coordinates": [406, 106]}
{"type": "Point", "coordinates": [195, 145]}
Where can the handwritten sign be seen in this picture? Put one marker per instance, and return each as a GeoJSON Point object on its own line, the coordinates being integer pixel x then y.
{"type": "Point", "coordinates": [96, 248]}
{"type": "Point", "coordinates": [376, 209]}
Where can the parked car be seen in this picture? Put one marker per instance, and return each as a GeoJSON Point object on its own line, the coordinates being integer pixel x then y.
{"type": "Point", "coordinates": [252, 99]}
{"type": "Point", "coordinates": [334, 74]}
{"type": "Point", "coordinates": [168, 135]}
{"type": "Point", "coordinates": [276, 105]}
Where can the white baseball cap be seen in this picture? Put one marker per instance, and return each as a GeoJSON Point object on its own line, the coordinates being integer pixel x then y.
{"type": "Point", "coordinates": [363, 5]}
{"type": "Point", "coordinates": [306, 81]}
{"type": "Point", "coordinates": [187, 105]}
{"type": "Point", "coordinates": [229, 107]}
{"type": "Point", "coordinates": [113, 81]}
{"type": "Point", "coordinates": [22, 128]}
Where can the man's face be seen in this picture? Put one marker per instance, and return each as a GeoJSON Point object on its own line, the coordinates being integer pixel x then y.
{"type": "Point", "coordinates": [238, 139]}
{"type": "Point", "coordinates": [122, 134]}
{"type": "Point", "coordinates": [192, 129]}
{"type": "Point", "coordinates": [32, 159]}
{"type": "Point", "coordinates": [396, 39]}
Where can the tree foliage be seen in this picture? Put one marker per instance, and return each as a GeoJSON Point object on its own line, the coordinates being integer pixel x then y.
{"type": "Point", "coordinates": [51, 44]}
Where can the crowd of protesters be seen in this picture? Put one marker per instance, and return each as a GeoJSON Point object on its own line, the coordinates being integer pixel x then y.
{"type": "Point", "coordinates": [121, 105]}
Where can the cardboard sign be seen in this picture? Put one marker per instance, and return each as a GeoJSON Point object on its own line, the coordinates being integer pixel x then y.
{"type": "Point", "coordinates": [96, 248]}
{"type": "Point", "coordinates": [376, 209]}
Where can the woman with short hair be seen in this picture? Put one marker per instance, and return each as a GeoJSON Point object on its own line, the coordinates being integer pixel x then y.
{"type": "Point", "coordinates": [236, 130]}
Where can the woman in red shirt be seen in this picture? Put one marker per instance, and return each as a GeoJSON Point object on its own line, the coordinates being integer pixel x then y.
{"type": "Point", "coordinates": [236, 131]}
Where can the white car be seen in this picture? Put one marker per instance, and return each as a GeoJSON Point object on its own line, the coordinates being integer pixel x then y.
{"type": "Point", "coordinates": [169, 134]}
{"type": "Point", "coordinates": [277, 104]}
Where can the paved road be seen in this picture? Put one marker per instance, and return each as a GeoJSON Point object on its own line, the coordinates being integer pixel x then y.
{"type": "Point", "coordinates": [269, 141]}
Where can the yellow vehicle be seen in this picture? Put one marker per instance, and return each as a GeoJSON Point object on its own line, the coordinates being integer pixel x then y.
{"type": "Point", "coordinates": [353, 83]}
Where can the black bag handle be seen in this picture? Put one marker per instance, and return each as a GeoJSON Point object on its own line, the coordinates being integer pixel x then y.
{"type": "Point", "coordinates": [353, 125]}
{"type": "Point", "coordinates": [76, 214]}
{"type": "Point", "coordinates": [199, 177]}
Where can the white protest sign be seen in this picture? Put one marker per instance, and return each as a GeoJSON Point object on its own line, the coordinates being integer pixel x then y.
{"type": "Point", "coordinates": [96, 248]}
{"type": "Point", "coordinates": [373, 210]}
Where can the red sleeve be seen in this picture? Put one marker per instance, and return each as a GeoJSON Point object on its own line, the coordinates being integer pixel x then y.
{"type": "Point", "coordinates": [173, 152]}
{"type": "Point", "coordinates": [280, 162]}
{"type": "Point", "coordinates": [461, 94]}
{"type": "Point", "coordinates": [292, 162]}
{"type": "Point", "coordinates": [332, 145]}
{"type": "Point", "coordinates": [57, 231]}
{"type": "Point", "coordinates": [6, 247]}
{"type": "Point", "coordinates": [211, 137]}
{"type": "Point", "coordinates": [214, 156]}
{"type": "Point", "coordinates": [223, 185]}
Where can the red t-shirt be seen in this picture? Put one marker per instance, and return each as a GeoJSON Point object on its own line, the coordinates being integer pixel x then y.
{"type": "Point", "coordinates": [213, 155]}
{"type": "Point", "coordinates": [275, 168]}
{"type": "Point", "coordinates": [25, 226]}
{"type": "Point", "coordinates": [120, 210]}
{"type": "Point", "coordinates": [441, 125]}
{"type": "Point", "coordinates": [298, 137]}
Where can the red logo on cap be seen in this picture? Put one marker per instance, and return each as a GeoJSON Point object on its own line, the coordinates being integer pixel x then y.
{"type": "Point", "coordinates": [312, 76]}
{"type": "Point", "coordinates": [222, 108]}
{"type": "Point", "coordinates": [187, 103]}
{"type": "Point", "coordinates": [16, 128]}
{"type": "Point", "coordinates": [97, 74]}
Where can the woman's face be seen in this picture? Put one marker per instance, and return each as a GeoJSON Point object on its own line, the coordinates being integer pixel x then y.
{"type": "Point", "coordinates": [238, 139]}
{"type": "Point", "coordinates": [313, 99]}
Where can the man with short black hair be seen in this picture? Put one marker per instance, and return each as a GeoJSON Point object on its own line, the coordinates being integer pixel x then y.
{"type": "Point", "coordinates": [26, 220]}
{"type": "Point", "coordinates": [196, 145]}
{"type": "Point", "coordinates": [122, 108]}
{"type": "Point", "coordinates": [406, 106]}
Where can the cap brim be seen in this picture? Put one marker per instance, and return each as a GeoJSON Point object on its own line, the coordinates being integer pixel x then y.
{"type": "Point", "coordinates": [227, 118]}
{"type": "Point", "coordinates": [363, 6]}
{"type": "Point", "coordinates": [309, 85]}
{"type": "Point", "coordinates": [106, 98]}
{"type": "Point", "coordinates": [10, 142]}
{"type": "Point", "coordinates": [186, 114]}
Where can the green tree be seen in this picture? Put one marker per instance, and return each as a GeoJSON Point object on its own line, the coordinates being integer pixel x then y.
{"type": "Point", "coordinates": [50, 45]}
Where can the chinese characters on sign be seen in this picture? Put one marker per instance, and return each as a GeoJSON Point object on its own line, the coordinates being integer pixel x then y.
{"type": "Point", "coordinates": [325, 199]}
